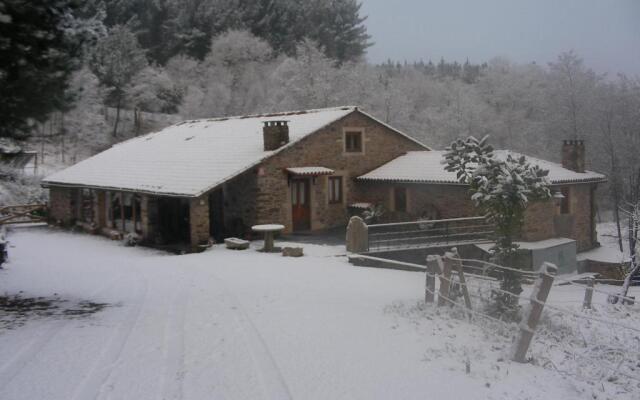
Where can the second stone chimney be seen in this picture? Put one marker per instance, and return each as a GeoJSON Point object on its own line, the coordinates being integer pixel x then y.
{"type": "Point", "coordinates": [573, 155]}
{"type": "Point", "coordinates": [275, 134]}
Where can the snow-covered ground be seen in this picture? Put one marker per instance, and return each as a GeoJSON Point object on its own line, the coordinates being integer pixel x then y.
{"type": "Point", "coordinates": [609, 250]}
{"type": "Point", "coordinates": [247, 325]}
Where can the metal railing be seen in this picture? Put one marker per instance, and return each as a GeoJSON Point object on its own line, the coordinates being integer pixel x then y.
{"type": "Point", "coordinates": [429, 233]}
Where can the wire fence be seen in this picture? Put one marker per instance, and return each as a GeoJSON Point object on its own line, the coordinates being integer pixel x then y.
{"type": "Point", "coordinates": [590, 345]}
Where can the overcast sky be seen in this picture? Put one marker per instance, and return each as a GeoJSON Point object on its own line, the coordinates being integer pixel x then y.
{"type": "Point", "coordinates": [606, 33]}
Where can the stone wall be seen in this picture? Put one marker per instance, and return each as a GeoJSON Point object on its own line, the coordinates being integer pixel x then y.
{"type": "Point", "coordinates": [239, 203]}
{"type": "Point", "coordinates": [579, 224]}
{"type": "Point", "coordinates": [423, 201]}
{"type": "Point", "coordinates": [539, 221]}
{"type": "Point", "coordinates": [199, 220]}
{"type": "Point", "coordinates": [325, 148]}
{"type": "Point", "coordinates": [449, 201]}
{"type": "Point", "coordinates": [62, 205]}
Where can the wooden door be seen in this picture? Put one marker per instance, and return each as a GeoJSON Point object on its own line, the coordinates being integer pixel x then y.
{"type": "Point", "coordinates": [301, 204]}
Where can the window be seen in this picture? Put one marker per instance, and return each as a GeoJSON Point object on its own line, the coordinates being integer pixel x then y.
{"type": "Point", "coordinates": [565, 204]}
{"type": "Point", "coordinates": [86, 203]}
{"type": "Point", "coordinates": [353, 141]}
{"type": "Point", "coordinates": [400, 199]}
{"type": "Point", "coordinates": [335, 189]}
{"type": "Point", "coordinates": [124, 212]}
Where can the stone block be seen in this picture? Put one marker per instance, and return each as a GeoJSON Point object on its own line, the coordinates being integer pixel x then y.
{"type": "Point", "coordinates": [292, 252]}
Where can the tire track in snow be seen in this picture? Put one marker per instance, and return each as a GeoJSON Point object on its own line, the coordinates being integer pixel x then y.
{"type": "Point", "coordinates": [29, 351]}
{"type": "Point", "coordinates": [172, 384]}
{"type": "Point", "coordinates": [271, 379]}
{"type": "Point", "coordinates": [93, 383]}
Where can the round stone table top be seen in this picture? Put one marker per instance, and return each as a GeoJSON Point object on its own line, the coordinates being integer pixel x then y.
{"type": "Point", "coordinates": [267, 228]}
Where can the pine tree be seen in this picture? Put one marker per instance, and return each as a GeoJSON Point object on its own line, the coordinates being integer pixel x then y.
{"type": "Point", "coordinates": [40, 46]}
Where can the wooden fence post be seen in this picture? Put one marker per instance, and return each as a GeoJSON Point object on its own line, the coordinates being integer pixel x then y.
{"type": "Point", "coordinates": [430, 281]}
{"type": "Point", "coordinates": [463, 281]}
{"type": "Point", "coordinates": [528, 325]}
{"type": "Point", "coordinates": [588, 293]}
{"type": "Point", "coordinates": [445, 280]}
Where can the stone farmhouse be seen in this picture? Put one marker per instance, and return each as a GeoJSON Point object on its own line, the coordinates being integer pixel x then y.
{"type": "Point", "coordinates": [308, 170]}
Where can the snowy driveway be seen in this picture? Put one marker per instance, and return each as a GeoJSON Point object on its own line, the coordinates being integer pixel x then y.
{"type": "Point", "coordinates": [234, 325]}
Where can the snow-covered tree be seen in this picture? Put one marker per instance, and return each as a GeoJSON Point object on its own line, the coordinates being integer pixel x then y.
{"type": "Point", "coordinates": [309, 80]}
{"type": "Point", "coordinates": [116, 60]}
{"type": "Point", "coordinates": [502, 189]}
{"type": "Point", "coordinates": [571, 95]}
{"type": "Point", "coordinates": [633, 213]}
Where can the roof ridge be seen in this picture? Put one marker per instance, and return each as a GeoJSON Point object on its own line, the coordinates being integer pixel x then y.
{"type": "Point", "coordinates": [268, 115]}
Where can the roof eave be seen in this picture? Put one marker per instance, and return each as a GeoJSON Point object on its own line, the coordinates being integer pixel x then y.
{"type": "Point", "coordinates": [49, 184]}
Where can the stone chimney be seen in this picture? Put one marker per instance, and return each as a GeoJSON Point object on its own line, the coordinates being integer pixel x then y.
{"type": "Point", "coordinates": [573, 155]}
{"type": "Point", "coordinates": [275, 134]}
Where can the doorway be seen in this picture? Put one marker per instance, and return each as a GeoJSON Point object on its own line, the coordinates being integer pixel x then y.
{"type": "Point", "coordinates": [173, 220]}
{"type": "Point", "coordinates": [301, 204]}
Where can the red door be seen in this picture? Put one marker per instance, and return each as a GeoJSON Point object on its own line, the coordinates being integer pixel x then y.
{"type": "Point", "coordinates": [300, 205]}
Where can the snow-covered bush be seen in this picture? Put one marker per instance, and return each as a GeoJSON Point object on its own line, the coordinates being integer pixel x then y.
{"type": "Point", "coordinates": [373, 214]}
{"type": "Point", "coordinates": [19, 188]}
{"type": "Point", "coordinates": [131, 239]}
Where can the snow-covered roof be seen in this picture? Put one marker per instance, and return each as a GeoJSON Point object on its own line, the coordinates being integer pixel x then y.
{"type": "Point", "coordinates": [310, 171]}
{"type": "Point", "coordinates": [427, 167]}
{"type": "Point", "coordinates": [191, 157]}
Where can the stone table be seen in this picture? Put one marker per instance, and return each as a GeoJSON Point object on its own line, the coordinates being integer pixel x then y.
{"type": "Point", "coordinates": [269, 230]}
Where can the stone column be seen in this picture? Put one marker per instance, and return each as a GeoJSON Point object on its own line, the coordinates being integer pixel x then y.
{"type": "Point", "coordinates": [144, 216]}
{"type": "Point", "coordinates": [357, 236]}
{"type": "Point", "coordinates": [62, 205]}
{"type": "Point", "coordinates": [199, 220]}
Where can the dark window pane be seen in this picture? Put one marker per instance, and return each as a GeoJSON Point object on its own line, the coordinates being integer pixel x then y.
{"type": "Point", "coordinates": [400, 199]}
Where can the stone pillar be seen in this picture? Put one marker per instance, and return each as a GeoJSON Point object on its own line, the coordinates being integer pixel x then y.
{"type": "Point", "coordinates": [62, 205]}
{"type": "Point", "coordinates": [357, 236]}
{"type": "Point", "coordinates": [144, 216]}
{"type": "Point", "coordinates": [199, 220]}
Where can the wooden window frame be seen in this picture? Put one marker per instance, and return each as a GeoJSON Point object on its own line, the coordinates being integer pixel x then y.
{"type": "Point", "coordinates": [331, 192]}
{"type": "Point", "coordinates": [351, 131]}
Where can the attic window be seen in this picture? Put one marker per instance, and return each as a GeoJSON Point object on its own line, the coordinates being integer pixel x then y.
{"type": "Point", "coordinates": [353, 141]}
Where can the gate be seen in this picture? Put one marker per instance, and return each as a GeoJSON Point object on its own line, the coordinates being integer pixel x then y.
{"type": "Point", "coordinates": [23, 214]}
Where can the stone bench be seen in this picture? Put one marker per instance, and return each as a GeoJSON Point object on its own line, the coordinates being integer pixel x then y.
{"type": "Point", "coordinates": [236, 243]}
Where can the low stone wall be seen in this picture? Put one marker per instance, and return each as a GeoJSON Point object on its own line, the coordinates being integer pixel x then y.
{"type": "Point", "coordinates": [606, 270]}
